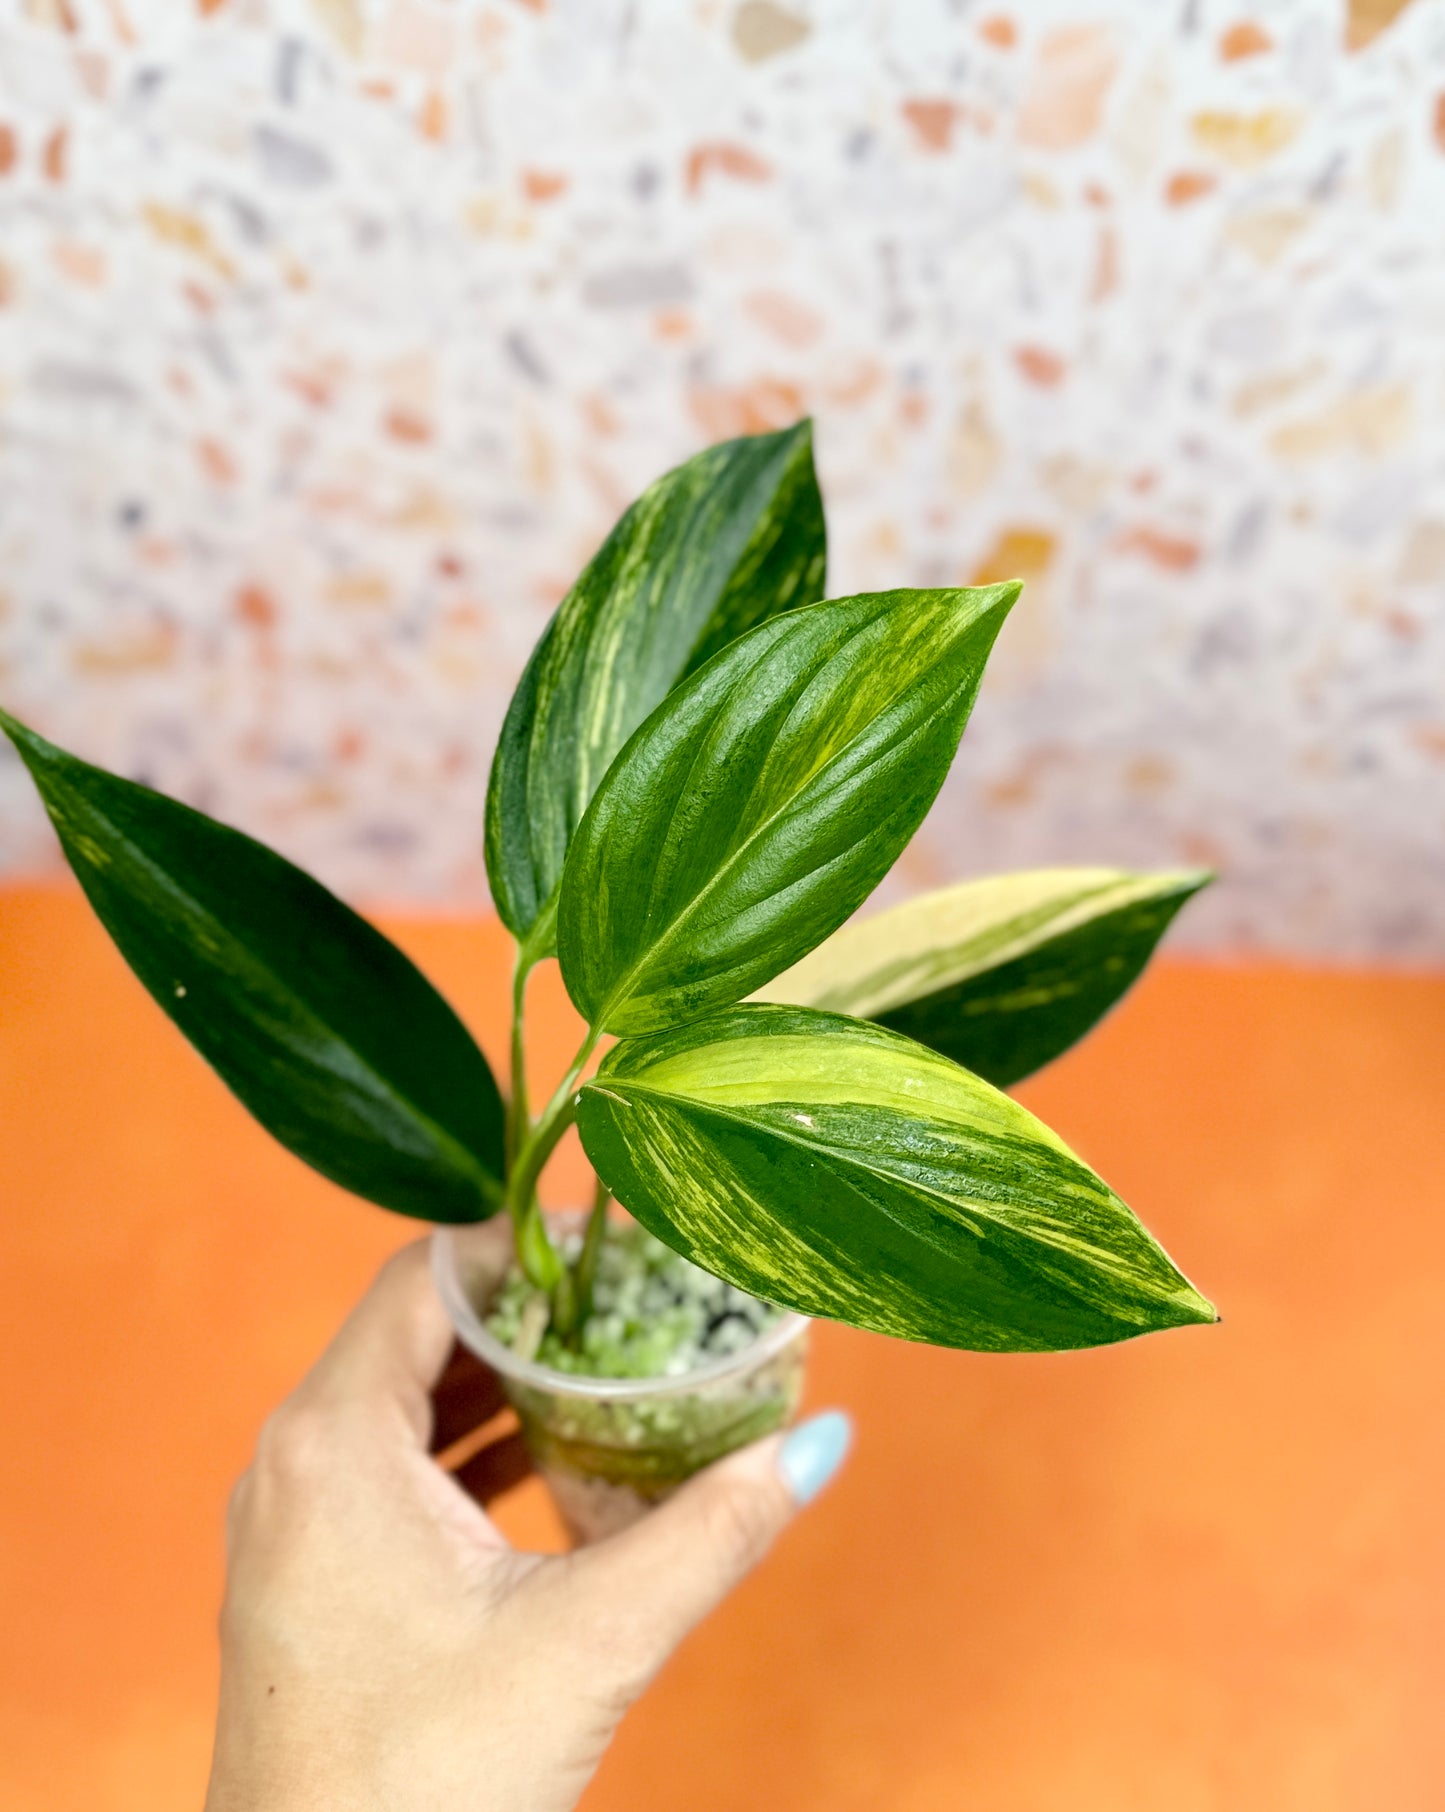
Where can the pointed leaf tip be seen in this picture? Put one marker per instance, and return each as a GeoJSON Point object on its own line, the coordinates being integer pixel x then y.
{"type": "Point", "coordinates": [327, 1032]}
{"type": "Point", "coordinates": [838, 1169]}
{"type": "Point", "coordinates": [1200, 1309]}
{"type": "Point", "coordinates": [1002, 974]}
{"type": "Point", "coordinates": [692, 879]}
{"type": "Point", "coordinates": [733, 536]}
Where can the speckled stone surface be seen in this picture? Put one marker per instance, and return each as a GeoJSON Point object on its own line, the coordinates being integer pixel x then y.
{"type": "Point", "coordinates": [334, 335]}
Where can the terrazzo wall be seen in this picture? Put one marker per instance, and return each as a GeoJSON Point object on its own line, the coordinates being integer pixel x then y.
{"type": "Point", "coordinates": [333, 336]}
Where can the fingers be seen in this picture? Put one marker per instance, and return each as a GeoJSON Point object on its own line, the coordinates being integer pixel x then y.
{"type": "Point", "coordinates": [390, 1350]}
{"type": "Point", "coordinates": [647, 1587]}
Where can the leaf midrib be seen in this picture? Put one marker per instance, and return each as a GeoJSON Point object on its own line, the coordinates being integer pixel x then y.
{"type": "Point", "coordinates": [259, 967]}
{"type": "Point", "coordinates": [636, 574]}
{"type": "Point", "coordinates": [623, 989]}
{"type": "Point", "coordinates": [1085, 909]}
{"type": "Point", "coordinates": [848, 1160]}
{"type": "Point", "coordinates": [975, 957]}
{"type": "Point", "coordinates": [896, 987]}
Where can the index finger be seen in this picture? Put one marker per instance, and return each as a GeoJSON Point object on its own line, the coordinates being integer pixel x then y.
{"type": "Point", "coordinates": [388, 1354]}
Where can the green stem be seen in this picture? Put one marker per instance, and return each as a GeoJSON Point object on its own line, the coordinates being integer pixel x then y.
{"type": "Point", "coordinates": [518, 1118]}
{"type": "Point", "coordinates": [585, 1277]}
{"type": "Point", "coordinates": [535, 1250]}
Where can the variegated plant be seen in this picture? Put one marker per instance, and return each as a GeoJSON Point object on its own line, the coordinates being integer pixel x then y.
{"type": "Point", "coordinates": [704, 771]}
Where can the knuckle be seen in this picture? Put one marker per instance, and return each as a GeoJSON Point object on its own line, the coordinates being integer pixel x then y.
{"type": "Point", "coordinates": [403, 1262]}
{"type": "Point", "coordinates": [232, 1623]}
{"type": "Point", "coordinates": [617, 1686]}
{"type": "Point", "coordinates": [740, 1521]}
{"type": "Point", "coordinates": [293, 1448]}
{"type": "Point", "coordinates": [236, 1507]}
{"type": "Point", "coordinates": [615, 1636]}
{"type": "Point", "coordinates": [624, 1654]}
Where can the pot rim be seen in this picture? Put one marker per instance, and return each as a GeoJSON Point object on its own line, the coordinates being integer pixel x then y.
{"type": "Point", "coordinates": [474, 1335]}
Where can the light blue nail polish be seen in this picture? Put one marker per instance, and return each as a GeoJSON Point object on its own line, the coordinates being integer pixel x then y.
{"type": "Point", "coordinates": [814, 1452]}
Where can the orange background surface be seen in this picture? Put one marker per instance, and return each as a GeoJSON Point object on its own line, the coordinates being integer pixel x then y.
{"type": "Point", "coordinates": [1199, 1571]}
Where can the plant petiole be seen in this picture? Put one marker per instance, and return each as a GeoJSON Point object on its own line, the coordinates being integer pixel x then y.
{"type": "Point", "coordinates": [518, 1117]}
{"type": "Point", "coordinates": [535, 1251]}
{"type": "Point", "coordinates": [584, 1278]}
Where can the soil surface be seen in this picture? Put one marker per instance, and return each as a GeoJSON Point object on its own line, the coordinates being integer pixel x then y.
{"type": "Point", "coordinates": [655, 1314]}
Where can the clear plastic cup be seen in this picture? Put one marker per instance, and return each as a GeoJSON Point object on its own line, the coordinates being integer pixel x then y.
{"type": "Point", "coordinates": [611, 1448]}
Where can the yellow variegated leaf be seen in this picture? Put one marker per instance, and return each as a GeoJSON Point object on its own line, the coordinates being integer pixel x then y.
{"type": "Point", "coordinates": [765, 798]}
{"type": "Point", "coordinates": [842, 1170]}
{"type": "Point", "coordinates": [1001, 974]}
{"type": "Point", "coordinates": [729, 538]}
{"type": "Point", "coordinates": [330, 1036]}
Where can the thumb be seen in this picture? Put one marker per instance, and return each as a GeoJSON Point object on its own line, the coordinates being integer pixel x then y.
{"type": "Point", "coordinates": [644, 1589]}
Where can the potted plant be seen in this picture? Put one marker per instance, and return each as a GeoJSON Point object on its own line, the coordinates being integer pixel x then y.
{"type": "Point", "coordinates": [705, 769]}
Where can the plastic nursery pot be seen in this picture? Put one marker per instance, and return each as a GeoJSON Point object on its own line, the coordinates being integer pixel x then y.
{"type": "Point", "coordinates": [611, 1448]}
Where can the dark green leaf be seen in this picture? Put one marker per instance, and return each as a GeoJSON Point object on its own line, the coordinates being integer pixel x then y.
{"type": "Point", "coordinates": [764, 799]}
{"type": "Point", "coordinates": [1001, 974]}
{"type": "Point", "coordinates": [836, 1168]}
{"type": "Point", "coordinates": [331, 1037]}
{"type": "Point", "coordinates": [731, 537]}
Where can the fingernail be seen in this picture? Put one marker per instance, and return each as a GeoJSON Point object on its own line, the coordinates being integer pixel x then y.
{"type": "Point", "coordinates": [814, 1452]}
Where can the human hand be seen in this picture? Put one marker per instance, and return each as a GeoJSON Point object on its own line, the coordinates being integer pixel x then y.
{"type": "Point", "coordinates": [382, 1644]}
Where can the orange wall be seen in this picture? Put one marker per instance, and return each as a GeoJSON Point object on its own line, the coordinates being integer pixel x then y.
{"type": "Point", "coordinates": [1203, 1571]}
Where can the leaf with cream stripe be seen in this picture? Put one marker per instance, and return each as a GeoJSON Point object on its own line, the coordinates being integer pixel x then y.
{"type": "Point", "coordinates": [333, 1039]}
{"type": "Point", "coordinates": [1001, 974]}
{"type": "Point", "coordinates": [765, 799]}
{"type": "Point", "coordinates": [842, 1170]}
{"type": "Point", "coordinates": [731, 537]}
